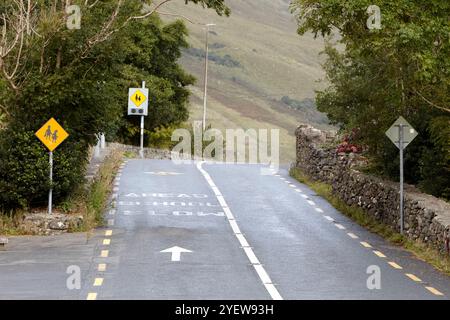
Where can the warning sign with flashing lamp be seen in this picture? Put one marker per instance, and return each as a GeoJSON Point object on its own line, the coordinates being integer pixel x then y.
{"type": "Point", "coordinates": [138, 102]}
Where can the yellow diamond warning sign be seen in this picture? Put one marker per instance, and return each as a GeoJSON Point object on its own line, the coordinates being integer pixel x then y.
{"type": "Point", "coordinates": [52, 134]}
{"type": "Point", "coordinates": [138, 98]}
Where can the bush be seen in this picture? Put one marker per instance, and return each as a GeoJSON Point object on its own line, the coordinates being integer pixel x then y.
{"type": "Point", "coordinates": [349, 145]}
{"type": "Point", "coordinates": [24, 169]}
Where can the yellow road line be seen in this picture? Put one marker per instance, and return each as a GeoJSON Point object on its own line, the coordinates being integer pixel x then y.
{"type": "Point", "coordinates": [394, 265]}
{"type": "Point", "coordinates": [92, 296]}
{"type": "Point", "coordinates": [434, 291]}
{"type": "Point", "coordinates": [102, 267]}
{"type": "Point", "coordinates": [108, 233]}
{"type": "Point", "coordinates": [98, 282]}
{"type": "Point", "coordinates": [379, 254]}
{"type": "Point", "coordinates": [106, 242]}
{"type": "Point", "coordinates": [365, 244]}
{"type": "Point", "coordinates": [104, 254]}
{"type": "Point", "coordinates": [413, 277]}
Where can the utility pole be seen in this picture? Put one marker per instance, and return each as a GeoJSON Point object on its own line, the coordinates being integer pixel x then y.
{"type": "Point", "coordinates": [206, 74]}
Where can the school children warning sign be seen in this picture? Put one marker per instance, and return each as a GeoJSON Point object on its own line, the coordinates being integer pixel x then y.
{"type": "Point", "coordinates": [52, 134]}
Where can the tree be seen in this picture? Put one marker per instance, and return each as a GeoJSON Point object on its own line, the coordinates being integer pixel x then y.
{"type": "Point", "coordinates": [80, 77]}
{"type": "Point", "coordinates": [401, 69]}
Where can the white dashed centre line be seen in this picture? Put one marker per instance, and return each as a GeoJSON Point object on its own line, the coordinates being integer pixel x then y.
{"type": "Point", "coordinates": [264, 277]}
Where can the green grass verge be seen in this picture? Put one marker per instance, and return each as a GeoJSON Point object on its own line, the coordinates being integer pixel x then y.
{"type": "Point", "coordinates": [88, 201]}
{"type": "Point", "coordinates": [357, 214]}
{"type": "Point", "coordinates": [93, 200]}
{"type": "Point", "coordinates": [10, 224]}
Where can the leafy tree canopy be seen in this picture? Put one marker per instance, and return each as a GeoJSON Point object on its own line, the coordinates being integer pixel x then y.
{"type": "Point", "coordinates": [401, 69]}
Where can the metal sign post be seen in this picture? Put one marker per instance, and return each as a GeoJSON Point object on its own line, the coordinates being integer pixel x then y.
{"type": "Point", "coordinates": [142, 130]}
{"type": "Point", "coordinates": [401, 138]}
{"type": "Point", "coordinates": [400, 141]}
{"type": "Point", "coordinates": [51, 135]}
{"type": "Point", "coordinates": [50, 192]}
{"type": "Point", "coordinates": [141, 151]}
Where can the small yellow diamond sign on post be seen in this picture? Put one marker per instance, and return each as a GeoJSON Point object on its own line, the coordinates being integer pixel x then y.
{"type": "Point", "coordinates": [138, 98]}
{"type": "Point", "coordinates": [52, 134]}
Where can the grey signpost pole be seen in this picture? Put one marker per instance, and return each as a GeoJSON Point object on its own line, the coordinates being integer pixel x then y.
{"type": "Point", "coordinates": [50, 192]}
{"type": "Point", "coordinates": [401, 138]}
{"type": "Point", "coordinates": [141, 152]}
{"type": "Point", "coordinates": [400, 143]}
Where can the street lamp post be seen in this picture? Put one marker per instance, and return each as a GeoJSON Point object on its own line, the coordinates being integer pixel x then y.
{"type": "Point", "coordinates": [206, 74]}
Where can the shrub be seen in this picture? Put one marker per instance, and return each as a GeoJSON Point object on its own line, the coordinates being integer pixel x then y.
{"type": "Point", "coordinates": [348, 144]}
{"type": "Point", "coordinates": [24, 169]}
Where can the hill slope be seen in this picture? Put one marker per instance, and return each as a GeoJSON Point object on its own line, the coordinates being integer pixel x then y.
{"type": "Point", "coordinates": [257, 58]}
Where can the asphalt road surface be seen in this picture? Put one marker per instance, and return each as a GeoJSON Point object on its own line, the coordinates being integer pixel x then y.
{"type": "Point", "coordinates": [212, 231]}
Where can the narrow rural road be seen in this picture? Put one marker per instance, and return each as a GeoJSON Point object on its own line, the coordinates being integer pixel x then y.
{"type": "Point", "coordinates": [212, 231]}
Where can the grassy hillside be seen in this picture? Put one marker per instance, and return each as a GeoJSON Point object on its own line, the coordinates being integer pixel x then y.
{"type": "Point", "coordinates": [257, 58]}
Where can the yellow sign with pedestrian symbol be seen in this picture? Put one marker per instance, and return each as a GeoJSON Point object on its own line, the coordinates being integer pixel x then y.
{"type": "Point", "coordinates": [52, 134]}
{"type": "Point", "coordinates": [138, 98]}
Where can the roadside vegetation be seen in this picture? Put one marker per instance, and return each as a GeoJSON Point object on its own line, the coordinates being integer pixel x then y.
{"type": "Point", "coordinates": [377, 75]}
{"type": "Point", "coordinates": [357, 214]}
{"type": "Point", "coordinates": [91, 201]}
{"type": "Point", "coordinates": [87, 200]}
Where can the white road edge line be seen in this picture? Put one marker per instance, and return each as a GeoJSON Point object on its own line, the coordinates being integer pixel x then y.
{"type": "Point", "coordinates": [263, 275]}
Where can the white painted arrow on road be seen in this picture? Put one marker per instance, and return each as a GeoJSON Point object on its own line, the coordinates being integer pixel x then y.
{"type": "Point", "coordinates": [176, 252]}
